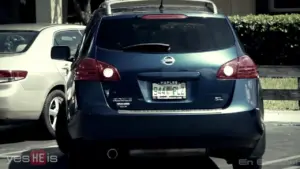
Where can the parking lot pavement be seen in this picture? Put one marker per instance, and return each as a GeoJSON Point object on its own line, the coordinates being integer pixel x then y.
{"type": "Point", "coordinates": [15, 141]}
{"type": "Point", "coordinates": [283, 142]}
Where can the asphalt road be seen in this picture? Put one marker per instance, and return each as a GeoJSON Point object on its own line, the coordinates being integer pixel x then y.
{"type": "Point", "coordinates": [283, 152]}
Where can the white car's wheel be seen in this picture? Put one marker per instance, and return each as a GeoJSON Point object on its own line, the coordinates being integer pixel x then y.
{"type": "Point", "coordinates": [50, 111]}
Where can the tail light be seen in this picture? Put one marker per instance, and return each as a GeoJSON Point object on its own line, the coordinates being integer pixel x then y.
{"type": "Point", "coordinates": [164, 16]}
{"type": "Point", "coordinates": [240, 68]}
{"type": "Point", "coordinates": [12, 75]}
{"type": "Point", "coordinates": [91, 69]}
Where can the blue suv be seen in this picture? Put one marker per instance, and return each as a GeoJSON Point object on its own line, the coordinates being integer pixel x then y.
{"type": "Point", "coordinates": [162, 77]}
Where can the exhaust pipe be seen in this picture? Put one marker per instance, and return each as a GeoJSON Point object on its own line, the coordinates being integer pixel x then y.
{"type": "Point", "coordinates": [112, 154]}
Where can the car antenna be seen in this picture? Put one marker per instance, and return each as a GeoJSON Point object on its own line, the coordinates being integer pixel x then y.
{"type": "Point", "coordinates": [161, 7]}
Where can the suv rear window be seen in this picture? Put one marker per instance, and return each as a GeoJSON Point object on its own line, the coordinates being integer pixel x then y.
{"type": "Point", "coordinates": [193, 34]}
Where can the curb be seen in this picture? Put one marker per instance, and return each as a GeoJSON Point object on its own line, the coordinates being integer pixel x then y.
{"type": "Point", "coordinates": [282, 116]}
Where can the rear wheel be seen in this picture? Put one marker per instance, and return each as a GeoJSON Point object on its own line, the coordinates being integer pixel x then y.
{"type": "Point", "coordinates": [50, 110]}
{"type": "Point", "coordinates": [63, 137]}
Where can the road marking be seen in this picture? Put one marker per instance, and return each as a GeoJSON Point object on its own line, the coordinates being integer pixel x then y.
{"type": "Point", "coordinates": [53, 146]}
{"type": "Point", "coordinates": [292, 167]}
{"type": "Point", "coordinates": [11, 153]}
{"type": "Point", "coordinates": [281, 160]}
{"type": "Point", "coordinates": [7, 154]}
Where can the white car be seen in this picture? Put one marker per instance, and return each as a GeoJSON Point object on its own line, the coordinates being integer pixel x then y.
{"type": "Point", "coordinates": [32, 85]}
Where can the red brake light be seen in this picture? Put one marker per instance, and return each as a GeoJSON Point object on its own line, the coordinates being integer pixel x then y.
{"type": "Point", "coordinates": [12, 75]}
{"type": "Point", "coordinates": [164, 16]}
{"type": "Point", "coordinates": [91, 69]}
{"type": "Point", "coordinates": [240, 68]}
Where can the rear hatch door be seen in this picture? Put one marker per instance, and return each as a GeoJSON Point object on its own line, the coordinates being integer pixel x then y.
{"type": "Point", "coordinates": [166, 63]}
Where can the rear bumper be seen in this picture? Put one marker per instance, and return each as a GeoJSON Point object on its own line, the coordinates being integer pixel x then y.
{"type": "Point", "coordinates": [19, 104]}
{"type": "Point", "coordinates": [134, 131]}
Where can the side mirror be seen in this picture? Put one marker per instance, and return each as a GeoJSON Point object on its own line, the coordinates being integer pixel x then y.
{"type": "Point", "coordinates": [60, 52]}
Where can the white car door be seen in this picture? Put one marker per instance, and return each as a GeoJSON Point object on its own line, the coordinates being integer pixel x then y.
{"type": "Point", "coordinates": [70, 38]}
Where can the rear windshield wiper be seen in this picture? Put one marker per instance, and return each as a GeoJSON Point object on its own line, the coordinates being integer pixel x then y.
{"type": "Point", "coordinates": [148, 47]}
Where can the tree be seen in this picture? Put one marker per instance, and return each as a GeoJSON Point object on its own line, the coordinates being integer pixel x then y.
{"type": "Point", "coordinates": [83, 10]}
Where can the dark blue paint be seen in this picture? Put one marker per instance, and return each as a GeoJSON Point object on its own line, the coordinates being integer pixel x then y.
{"type": "Point", "coordinates": [236, 118]}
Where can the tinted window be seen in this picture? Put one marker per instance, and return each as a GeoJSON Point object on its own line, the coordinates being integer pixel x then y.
{"type": "Point", "coordinates": [183, 35]}
{"type": "Point", "coordinates": [69, 38]}
{"type": "Point", "coordinates": [16, 41]}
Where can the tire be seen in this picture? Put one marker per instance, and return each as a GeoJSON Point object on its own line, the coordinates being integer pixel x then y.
{"type": "Point", "coordinates": [53, 102]}
{"type": "Point", "coordinates": [63, 138]}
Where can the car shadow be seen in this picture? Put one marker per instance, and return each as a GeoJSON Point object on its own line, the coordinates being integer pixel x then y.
{"type": "Point", "coordinates": [28, 132]}
{"type": "Point", "coordinates": [62, 162]}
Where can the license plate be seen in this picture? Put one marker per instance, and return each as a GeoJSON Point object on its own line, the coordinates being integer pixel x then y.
{"type": "Point", "coordinates": [169, 90]}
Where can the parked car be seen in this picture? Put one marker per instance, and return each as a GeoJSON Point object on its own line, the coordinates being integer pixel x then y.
{"type": "Point", "coordinates": [32, 85]}
{"type": "Point", "coordinates": [174, 77]}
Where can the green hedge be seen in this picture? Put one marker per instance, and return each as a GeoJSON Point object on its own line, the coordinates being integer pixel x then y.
{"type": "Point", "coordinates": [270, 39]}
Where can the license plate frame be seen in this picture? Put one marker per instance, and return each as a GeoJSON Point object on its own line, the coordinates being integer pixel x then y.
{"type": "Point", "coordinates": [169, 90]}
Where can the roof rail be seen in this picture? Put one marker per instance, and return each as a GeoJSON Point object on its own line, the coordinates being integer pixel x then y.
{"type": "Point", "coordinates": [108, 3]}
